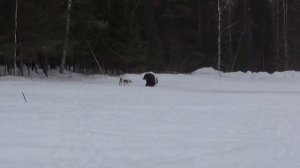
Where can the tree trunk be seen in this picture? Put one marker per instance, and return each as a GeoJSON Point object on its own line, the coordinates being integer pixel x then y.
{"type": "Point", "coordinates": [285, 30]}
{"type": "Point", "coordinates": [16, 43]}
{"type": "Point", "coordinates": [126, 7]}
{"type": "Point", "coordinates": [21, 59]}
{"type": "Point", "coordinates": [200, 26]}
{"type": "Point", "coordinates": [108, 5]}
{"type": "Point", "coordinates": [230, 30]}
{"type": "Point", "coordinates": [219, 35]}
{"type": "Point", "coordinates": [277, 31]}
{"type": "Point", "coordinates": [66, 43]}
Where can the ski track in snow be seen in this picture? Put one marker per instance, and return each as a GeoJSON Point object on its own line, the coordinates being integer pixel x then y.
{"type": "Point", "coordinates": [241, 120]}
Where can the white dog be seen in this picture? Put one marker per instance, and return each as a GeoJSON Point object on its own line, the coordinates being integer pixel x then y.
{"type": "Point", "coordinates": [124, 82]}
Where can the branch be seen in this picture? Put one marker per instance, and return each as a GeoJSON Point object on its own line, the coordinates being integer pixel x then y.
{"type": "Point", "coordinates": [238, 48]}
{"type": "Point", "coordinates": [136, 6]}
{"type": "Point", "coordinates": [24, 97]}
{"type": "Point", "coordinates": [101, 70]}
{"type": "Point", "coordinates": [230, 26]}
{"type": "Point", "coordinates": [224, 4]}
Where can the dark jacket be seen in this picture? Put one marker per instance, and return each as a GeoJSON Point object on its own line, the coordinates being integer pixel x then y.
{"type": "Point", "coordinates": [150, 79]}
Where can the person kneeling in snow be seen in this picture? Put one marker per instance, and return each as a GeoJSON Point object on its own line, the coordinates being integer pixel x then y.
{"type": "Point", "coordinates": [151, 80]}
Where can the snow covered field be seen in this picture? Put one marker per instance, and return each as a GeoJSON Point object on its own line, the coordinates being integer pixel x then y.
{"type": "Point", "coordinates": [199, 120]}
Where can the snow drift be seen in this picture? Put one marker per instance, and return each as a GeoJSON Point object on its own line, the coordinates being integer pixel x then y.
{"type": "Point", "coordinates": [188, 120]}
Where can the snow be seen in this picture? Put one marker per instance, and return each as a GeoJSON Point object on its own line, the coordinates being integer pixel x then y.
{"type": "Point", "coordinates": [198, 120]}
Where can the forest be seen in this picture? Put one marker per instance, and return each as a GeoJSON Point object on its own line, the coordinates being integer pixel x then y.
{"type": "Point", "coordinates": [133, 36]}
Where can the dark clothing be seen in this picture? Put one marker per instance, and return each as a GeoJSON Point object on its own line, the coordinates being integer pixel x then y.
{"type": "Point", "coordinates": [150, 79]}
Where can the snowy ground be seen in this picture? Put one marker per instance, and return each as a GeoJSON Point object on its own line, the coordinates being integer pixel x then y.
{"type": "Point", "coordinates": [241, 120]}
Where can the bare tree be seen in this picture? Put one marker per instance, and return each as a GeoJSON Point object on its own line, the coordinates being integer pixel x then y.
{"type": "Point", "coordinates": [66, 42]}
{"type": "Point", "coordinates": [221, 6]}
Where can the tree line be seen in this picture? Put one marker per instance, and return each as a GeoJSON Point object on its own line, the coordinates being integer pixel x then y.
{"type": "Point", "coordinates": [115, 36]}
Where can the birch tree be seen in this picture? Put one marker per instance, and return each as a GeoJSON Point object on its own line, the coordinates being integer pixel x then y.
{"type": "Point", "coordinates": [66, 41]}
{"type": "Point", "coordinates": [221, 6]}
